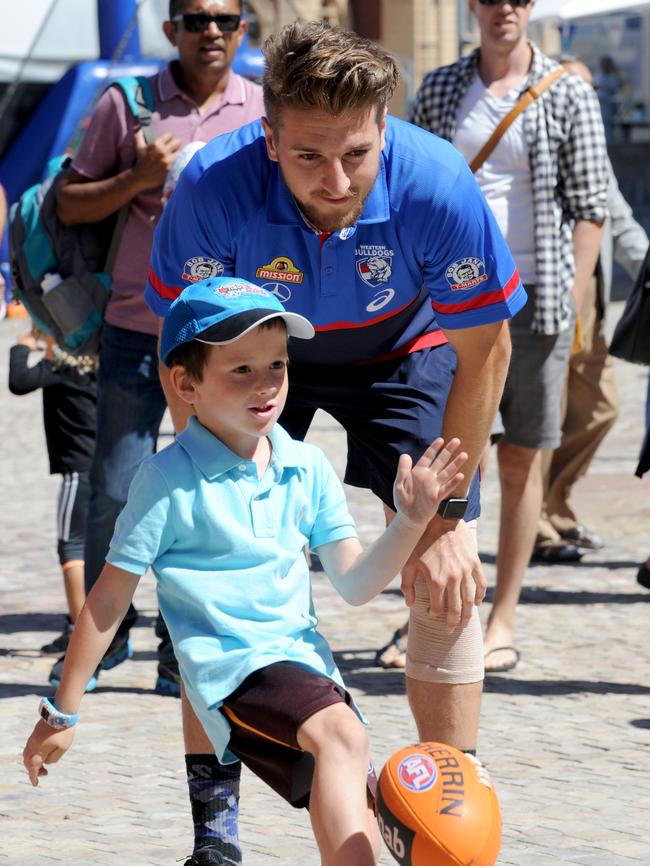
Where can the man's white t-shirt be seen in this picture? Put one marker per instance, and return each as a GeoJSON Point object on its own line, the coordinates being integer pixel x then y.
{"type": "Point", "coordinates": [504, 178]}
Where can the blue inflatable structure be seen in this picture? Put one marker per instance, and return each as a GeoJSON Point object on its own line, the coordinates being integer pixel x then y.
{"type": "Point", "coordinates": [58, 119]}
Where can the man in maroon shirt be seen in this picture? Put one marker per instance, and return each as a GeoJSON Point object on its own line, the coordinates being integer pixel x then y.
{"type": "Point", "coordinates": [197, 97]}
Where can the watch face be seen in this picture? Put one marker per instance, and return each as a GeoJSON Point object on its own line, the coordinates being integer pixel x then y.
{"type": "Point", "coordinates": [454, 509]}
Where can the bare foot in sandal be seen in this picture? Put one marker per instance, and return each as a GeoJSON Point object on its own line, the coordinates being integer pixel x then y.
{"type": "Point", "coordinates": [393, 655]}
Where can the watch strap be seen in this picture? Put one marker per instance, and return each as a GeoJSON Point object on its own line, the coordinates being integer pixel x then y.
{"type": "Point", "coordinates": [55, 718]}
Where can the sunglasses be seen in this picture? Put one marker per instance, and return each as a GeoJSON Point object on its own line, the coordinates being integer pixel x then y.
{"type": "Point", "coordinates": [198, 22]}
{"type": "Point", "coordinates": [498, 2]}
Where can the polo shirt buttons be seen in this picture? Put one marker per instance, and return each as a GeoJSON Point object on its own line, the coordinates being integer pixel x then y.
{"type": "Point", "coordinates": [242, 467]}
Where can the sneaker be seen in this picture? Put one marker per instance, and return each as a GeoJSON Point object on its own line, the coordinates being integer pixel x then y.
{"type": "Point", "coordinates": [583, 538]}
{"type": "Point", "coordinates": [169, 684]}
{"type": "Point", "coordinates": [210, 857]}
{"type": "Point", "coordinates": [57, 672]}
{"type": "Point", "coordinates": [119, 651]}
{"type": "Point", "coordinates": [60, 644]}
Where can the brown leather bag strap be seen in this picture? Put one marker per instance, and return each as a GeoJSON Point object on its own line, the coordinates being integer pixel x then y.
{"type": "Point", "coordinates": [533, 92]}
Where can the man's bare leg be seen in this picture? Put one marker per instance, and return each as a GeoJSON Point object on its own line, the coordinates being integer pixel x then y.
{"type": "Point", "coordinates": [520, 474]}
{"type": "Point", "coordinates": [446, 713]}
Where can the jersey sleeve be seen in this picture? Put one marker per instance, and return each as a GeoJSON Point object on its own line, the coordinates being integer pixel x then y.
{"type": "Point", "coordinates": [332, 521]}
{"type": "Point", "coordinates": [143, 531]}
{"type": "Point", "coordinates": [468, 269]}
{"type": "Point", "coordinates": [190, 242]}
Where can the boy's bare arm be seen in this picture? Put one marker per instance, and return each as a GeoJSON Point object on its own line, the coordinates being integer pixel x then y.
{"type": "Point", "coordinates": [103, 612]}
{"type": "Point", "coordinates": [359, 575]}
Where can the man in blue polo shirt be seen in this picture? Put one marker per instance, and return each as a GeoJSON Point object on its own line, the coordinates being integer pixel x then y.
{"type": "Point", "coordinates": [377, 232]}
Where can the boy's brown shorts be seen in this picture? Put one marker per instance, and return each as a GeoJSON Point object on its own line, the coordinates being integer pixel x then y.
{"type": "Point", "coordinates": [265, 713]}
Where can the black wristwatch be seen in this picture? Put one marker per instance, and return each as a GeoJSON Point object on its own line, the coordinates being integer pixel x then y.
{"type": "Point", "coordinates": [453, 508]}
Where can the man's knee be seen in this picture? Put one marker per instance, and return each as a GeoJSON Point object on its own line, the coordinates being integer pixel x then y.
{"type": "Point", "coordinates": [518, 464]}
{"type": "Point", "coordinates": [438, 656]}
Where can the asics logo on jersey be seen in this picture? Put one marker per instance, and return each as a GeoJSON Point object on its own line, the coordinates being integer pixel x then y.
{"type": "Point", "coordinates": [385, 296]}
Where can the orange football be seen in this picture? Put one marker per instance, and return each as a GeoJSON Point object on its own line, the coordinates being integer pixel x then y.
{"type": "Point", "coordinates": [437, 807]}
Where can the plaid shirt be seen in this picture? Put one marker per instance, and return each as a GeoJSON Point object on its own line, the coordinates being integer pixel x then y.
{"type": "Point", "coordinates": [568, 167]}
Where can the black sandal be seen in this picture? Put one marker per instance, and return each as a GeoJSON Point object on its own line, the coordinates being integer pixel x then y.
{"type": "Point", "coordinates": [397, 658]}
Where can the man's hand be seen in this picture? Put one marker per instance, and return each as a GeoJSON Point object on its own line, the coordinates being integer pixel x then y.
{"type": "Point", "coordinates": [45, 746]}
{"type": "Point", "coordinates": [154, 160]}
{"type": "Point", "coordinates": [419, 489]}
{"type": "Point", "coordinates": [445, 557]}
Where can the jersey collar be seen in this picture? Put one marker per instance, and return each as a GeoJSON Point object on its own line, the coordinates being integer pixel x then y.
{"type": "Point", "coordinates": [214, 459]}
{"type": "Point", "coordinates": [281, 209]}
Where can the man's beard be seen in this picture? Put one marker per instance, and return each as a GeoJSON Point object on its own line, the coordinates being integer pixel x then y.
{"type": "Point", "coordinates": [330, 222]}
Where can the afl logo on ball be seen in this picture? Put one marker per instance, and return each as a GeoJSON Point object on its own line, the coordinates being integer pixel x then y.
{"type": "Point", "coordinates": [417, 773]}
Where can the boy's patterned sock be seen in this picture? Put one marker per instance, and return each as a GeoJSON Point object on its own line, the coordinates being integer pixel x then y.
{"type": "Point", "coordinates": [214, 797]}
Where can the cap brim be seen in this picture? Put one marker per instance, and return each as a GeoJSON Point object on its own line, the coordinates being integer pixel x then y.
{"type": "Point", "coordinates": [236, 326]}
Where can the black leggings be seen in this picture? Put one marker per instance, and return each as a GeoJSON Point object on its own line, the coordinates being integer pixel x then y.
{"type": "Point", "coordinates": [72, 506]}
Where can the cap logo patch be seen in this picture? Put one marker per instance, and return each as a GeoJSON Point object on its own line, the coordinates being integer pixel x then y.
{"type": "Point", "coordinates": [234, 289]}
{"type": "Point", "coordinates": [200, 268]}
{"type": "Point", "coordinates": [465, 274]}
{"type": "Point", "coordinates": [281, 269]}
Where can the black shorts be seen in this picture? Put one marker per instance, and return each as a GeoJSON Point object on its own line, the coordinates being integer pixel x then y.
{"type": "Point", "coordinates": [387, 409]}
{"type": "Point", "coordinates": [265, 713]}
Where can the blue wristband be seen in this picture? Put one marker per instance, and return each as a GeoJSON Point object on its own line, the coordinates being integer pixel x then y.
{"type": "Point", "coordinates": [55, 718]}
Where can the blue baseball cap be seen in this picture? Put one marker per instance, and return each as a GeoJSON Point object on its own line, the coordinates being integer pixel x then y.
{"type": "Point", "coordinates": [220, 310]}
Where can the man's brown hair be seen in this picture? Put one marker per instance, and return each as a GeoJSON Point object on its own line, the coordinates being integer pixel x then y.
{"type": "Point", "coordinates": [312, 65]}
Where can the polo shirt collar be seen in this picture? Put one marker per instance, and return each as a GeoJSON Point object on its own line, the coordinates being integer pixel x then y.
{"type": "Point", "coordinates": [214, 458]}
{"type": "Point", "coordinates": [234, 94]}
{"type": "Point", "coordinates": [281, 209]}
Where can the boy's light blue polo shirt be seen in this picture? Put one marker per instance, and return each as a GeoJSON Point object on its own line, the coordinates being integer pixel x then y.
{"type": "Point", "coordinates": [227, 550]}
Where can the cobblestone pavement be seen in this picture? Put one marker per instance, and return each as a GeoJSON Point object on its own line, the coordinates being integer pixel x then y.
{"type": "Point", "coordinates": [566, 735]}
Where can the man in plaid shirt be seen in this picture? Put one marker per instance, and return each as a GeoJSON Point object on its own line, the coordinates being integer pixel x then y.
{"type": "Point", "coordinates": [546, 182]}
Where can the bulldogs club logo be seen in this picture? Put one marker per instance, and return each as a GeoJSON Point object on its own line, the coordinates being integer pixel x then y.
{"type": "Point", "coordinates": [465, 274]}
{"type": "Point", "coordinates": [417, 773]}
{"type": "Point", "coordinates": [374, 270]}
{"type": "Point", "coordinates": [200, 268]}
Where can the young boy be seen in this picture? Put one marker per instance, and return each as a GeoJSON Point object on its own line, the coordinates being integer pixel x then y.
{"type": "Point", "coordinates": [223, 516]}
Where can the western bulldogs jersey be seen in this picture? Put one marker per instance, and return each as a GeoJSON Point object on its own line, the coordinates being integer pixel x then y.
{"type": "Point", "coordinates": [425, 254]}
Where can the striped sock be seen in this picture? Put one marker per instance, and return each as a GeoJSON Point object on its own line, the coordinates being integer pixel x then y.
{"type": "Point", "coordinates": [214, 797]}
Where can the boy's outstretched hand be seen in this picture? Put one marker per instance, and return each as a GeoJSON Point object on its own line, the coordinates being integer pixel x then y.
{"type": "Point", "coordinates": [419, 489]}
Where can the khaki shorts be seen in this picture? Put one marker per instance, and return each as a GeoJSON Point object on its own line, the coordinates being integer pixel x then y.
{"type": "Point", "coordinates": [435, 655]}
